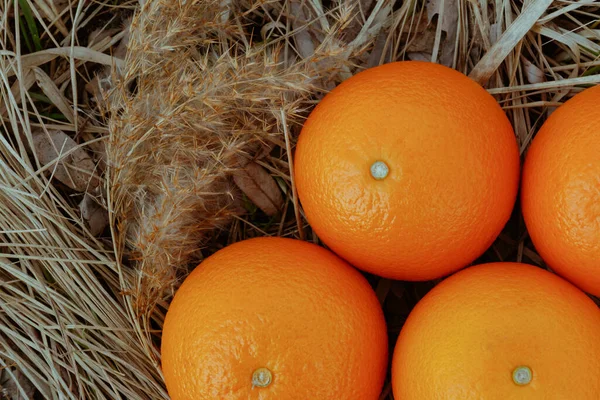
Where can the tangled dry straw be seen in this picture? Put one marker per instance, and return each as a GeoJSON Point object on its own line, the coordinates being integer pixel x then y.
{"type": "Point", "coordinates": [195, 103]}
{"type": "Point", "coordinates": [197, 118]}
{"type": "Point", "coordinates": [202, 104]}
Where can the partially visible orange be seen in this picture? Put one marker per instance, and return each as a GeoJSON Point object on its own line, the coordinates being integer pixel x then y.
{"type": "Point", "coordinates": [503, 331]}
{"type": "Point", "coordinates": [561, 190]}
{"type": "Point", "coordinates": [408, 170]}
{"type": "Point", "coordinates": [274, 319]}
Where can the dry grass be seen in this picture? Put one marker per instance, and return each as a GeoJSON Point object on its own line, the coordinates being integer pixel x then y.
{"type": "Point", "coordinates": [203, 90]}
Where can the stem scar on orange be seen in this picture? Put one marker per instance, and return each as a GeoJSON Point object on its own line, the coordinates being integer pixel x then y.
{"type": "Point", "coordinates": [561, 190]}
{"type": "Point", "coordinates": [501, 331]}
{"type": "Point", "coordinates": [274, 319]}
{"type": "Point", "coordinates": [408, 170]}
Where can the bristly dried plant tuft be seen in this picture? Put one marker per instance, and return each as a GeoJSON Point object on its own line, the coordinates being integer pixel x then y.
{"type": "Point", "coordinates": [195, 102]}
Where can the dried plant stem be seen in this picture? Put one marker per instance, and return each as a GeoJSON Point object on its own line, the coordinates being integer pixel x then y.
{"type": "Point", "coordinates": [288, 149]}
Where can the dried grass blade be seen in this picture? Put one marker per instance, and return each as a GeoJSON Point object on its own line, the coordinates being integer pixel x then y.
{"type": "Point", "coordinates": [54, 94]}
{"type": "Point", "coordinates": [567, 9]}
{"type": "Point", "coordinates": [288, 148]}
{"type": "Point", "coordinates": [26, 82]}
{"type": "Point", "coordinates": [550, 85]}
{"type": "Point", "coordinates": [490, 62]}
{"type": "Point", "coordinates": [77, 52]}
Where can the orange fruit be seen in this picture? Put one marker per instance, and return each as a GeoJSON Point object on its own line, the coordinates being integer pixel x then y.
{"type": "Point", "coordinates": [408, 170]}
{"type": "Point", "coordinates": [561, 190]}
{"type": "Point", "coordinates": [274, 318]}
{"type": "Point", "coordinates": [501, 331]}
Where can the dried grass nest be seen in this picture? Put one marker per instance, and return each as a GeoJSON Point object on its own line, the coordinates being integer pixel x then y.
{"type": "Point", "coordinates": [139, 136]}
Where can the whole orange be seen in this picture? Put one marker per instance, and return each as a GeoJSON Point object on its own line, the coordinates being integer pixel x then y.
{"type": "Point", "coordinates": [408, 170]}
{"type": "Point", "coordinates": [502, 331]}
{"type": "Point", "coordinates": [561, 190]}
{"type": "Point", "coordinates": [274, 318]}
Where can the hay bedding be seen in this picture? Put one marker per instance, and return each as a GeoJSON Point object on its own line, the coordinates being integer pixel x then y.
{"type": "Point", "coordinates": [138, 137]}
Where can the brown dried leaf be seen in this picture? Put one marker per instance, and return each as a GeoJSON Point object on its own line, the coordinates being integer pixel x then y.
{"type": "Point", "coordinates": [75, 167]}
{"type": "Point", "coordinates": [93, 214]}
{"type": "Point", "coordinates": [448, 18]}
{"type": "Point", "coordinates": [260, 187]}
{"type": "Point", "coordinates": [422, 42]}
